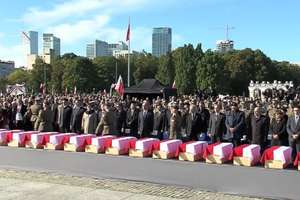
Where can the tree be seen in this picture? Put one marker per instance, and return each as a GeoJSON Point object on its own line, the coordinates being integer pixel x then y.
{"type": "Point", "coordinates": [186, 59]}
{"type": "Point", "coordinates": [39, 72]}
{"type": "Point", "coordinates": [18, 76]}
{"type": "Point", "coordinates": [166, 70]}
{"type": "Point", "coordinates": [56, 82]}
{"type": "Point", "coordinates": [146, 66]}
{"type": "Point", "coordinates": [105, 70]}
{"type": "Point", "coordinates": [79, 72]}
{"type": "Point", "coordinates": [211, 72]}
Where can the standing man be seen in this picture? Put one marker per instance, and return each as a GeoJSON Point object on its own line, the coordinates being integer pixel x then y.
{"type": "Point", "coordinates": [235, 124]}
{"type": "Point", "coordinates": [216, 128]}
{"type": "Point", "coordinates": [132, 120]}
{"type": "Point", "coordinates": [44, 122]}
{"type": "Point", "coordinates": [76, 119]}
{"type": "Point", "coordinates": [120, 119]}
{"type": "Point", "coordinates": [258, 128]}
{"type": "Point", "coordinates": [64, 116]}
{"type": "Point", "coordinates": [204, 116]}
{"type": "Point", "coordinates": [146, 120]}
{"type": "Point", "coordinates": [293, 129]}
{"type": "Point", "coordinates": [35, 110]}
{"type": "Point", "coordinates": [158, 120]}
{"type": "Point", "coordinates": [193, 123]}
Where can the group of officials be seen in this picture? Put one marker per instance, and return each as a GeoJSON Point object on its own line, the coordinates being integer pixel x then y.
{"type": "Point", "coordinates": [232, 120]}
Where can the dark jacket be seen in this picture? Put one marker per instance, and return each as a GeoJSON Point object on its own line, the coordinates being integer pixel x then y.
{"type": "Point", "coordinates": [217, 126]}
{"type": "Point", "coordinates": [259, 130]}
{"type": "Point", "coordinates": [279, 128]}
{"type": "Point", "coordinates": [146, 123]}
{"type": "Point", "coordinates": [236, 120]}
{"type": "Point", "coordinates": [193, 125]}
{"type": "Point", "coordinates": [120, 121]}
{"type": "Point", "coordinates": [132, 121]}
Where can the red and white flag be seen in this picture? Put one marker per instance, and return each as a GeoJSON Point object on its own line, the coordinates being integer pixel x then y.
{"type": "Point", "coordinates": [75, 90]}
{"type": "Point", "coordinates": [120, 86]}
{"type": "Point", "coordinates": [128, 32]}
{"type": "Point", "coordinates": [43, 88]}
{"type": "Point", "coordinates": [174, 85]}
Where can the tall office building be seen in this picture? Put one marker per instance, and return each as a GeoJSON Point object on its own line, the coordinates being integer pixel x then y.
{"type": "Point", "coordinates": [32, 43]}
{"type": "Point", "coordinates": [161, 41]}
{"type": "Point", "coordinates": [102, 48]}
{"type": "Point", "coordinates": [51, 44]}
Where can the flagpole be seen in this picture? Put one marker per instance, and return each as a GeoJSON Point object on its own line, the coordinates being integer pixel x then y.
{"type": "Point", "coordinates": [128, 75]}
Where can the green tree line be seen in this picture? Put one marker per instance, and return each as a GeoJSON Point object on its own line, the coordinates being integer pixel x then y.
{"type": "Point", "coordinates": [190, 67]}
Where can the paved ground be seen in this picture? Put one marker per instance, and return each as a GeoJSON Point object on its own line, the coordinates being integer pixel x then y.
{"type": "Point", "coordinates": [24, 185]}
{"type": "Point", "coordinates": [257, 181]}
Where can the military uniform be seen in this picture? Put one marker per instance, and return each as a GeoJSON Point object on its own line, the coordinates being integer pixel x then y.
{"type": "Point", "coordinates": [35, 110]}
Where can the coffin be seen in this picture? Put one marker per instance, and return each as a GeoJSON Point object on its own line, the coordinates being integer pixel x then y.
{"type": "Point", "coordinates": [192, 151]}
{"type": "Point", "coordinates": [6, 136]}
{"type": "Point", "coordinates": [167, 149]}
{"type": "Point", "coordinates": [120, 146]}
{"type": "Point", "coordinates": [57, 142]}
{"type": "Point", "coordinates": [38, 141]}
{"type": "Point", "coordinates": [218, 153]}
{"type": "Point", "coordinates": [77, 143]}
{"type": "Point", "coordinates": [246, 155]}
{"type": "Point", "coordinates": [19, 139]}
{"type": "Point", "coordinates": [142, 147]}
{"type": "Point", "coordinates": [277, 157]}
{"type": "Point", "coordinates": [99, 144]}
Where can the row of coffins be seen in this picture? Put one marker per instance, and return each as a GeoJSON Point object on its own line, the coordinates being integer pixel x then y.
{"type": "Point", "coordinates": [277, 157]}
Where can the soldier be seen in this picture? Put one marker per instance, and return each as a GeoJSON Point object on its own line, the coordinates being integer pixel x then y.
{"type": "Point", "coordinates": [175, 127]}
{"type": "Point", "coordinates": [106, 124]}
{"type": "Point", "coordinates": [35, 110]}
{"type": "Point", "coordinates": [44, 122]}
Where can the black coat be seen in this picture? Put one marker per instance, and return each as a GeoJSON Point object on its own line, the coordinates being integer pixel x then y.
{"type": "Point", "coordinates": [193, 125]}
{"type": "Point", "coordinates": [120, 121]}
{"type": "Point", "coordinates": [77, 120]}
{"type": "Point", "coordinates": [259, 130]}
{"type": "Point", "coordinates": [205, 116]}
{"type": "Point", "coordinates": [132, 121]}
{"type": "Point", "coordinates": [146, 123]}
{"type": "Point", "coordinates": [279, 128]}
{"type": "Point", "coordinates": [217, 126]}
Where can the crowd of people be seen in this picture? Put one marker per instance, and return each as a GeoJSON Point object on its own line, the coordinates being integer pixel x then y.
{"type": "Point", "coordinates": [239, 120]}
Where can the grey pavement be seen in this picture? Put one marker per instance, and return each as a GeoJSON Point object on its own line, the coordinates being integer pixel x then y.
{"type": "Point", "coordinates": [254, 181]}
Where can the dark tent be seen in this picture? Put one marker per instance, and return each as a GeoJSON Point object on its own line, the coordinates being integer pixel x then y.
{"type": "Point", "coordinates": [150, 88]}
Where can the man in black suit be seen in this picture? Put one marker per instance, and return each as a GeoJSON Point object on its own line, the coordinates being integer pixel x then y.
{"type": "Point", "coordinates": [193, 123]}
{"type": "Point", "coordinates": [258, 128]}
{"type": "Point", "coordinates": [132, 121]}
{"type": "Point", "coordinates": [120, 119]}
{"type": "Point", "coordinates": [64, 116]}
{"type": "Point", "coordinates": [76, 117]}
{"type": "Point", "coordinates": [146, 120]}
{"type": "Point", "coordinates": [216, 127]}
{"type": "Point", "coordinates": [235, 124]}
{"type": "Point", "coordinates": [293, 129]}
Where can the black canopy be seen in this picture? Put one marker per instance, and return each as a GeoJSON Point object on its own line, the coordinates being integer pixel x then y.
{"type": "Point", "coordinates": [150, 88]}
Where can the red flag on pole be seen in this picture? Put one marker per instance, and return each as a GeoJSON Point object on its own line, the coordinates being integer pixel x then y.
{"type": "Point", "coordinates": [120, 86]}
{"type": "Point", "coordinates": [128, 32]}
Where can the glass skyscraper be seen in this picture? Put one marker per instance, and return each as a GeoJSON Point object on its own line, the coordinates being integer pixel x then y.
{"type": "Point", "coordinates": [161, 41]}
{"type": "Point", "coordinates": [33, 47]}
{"type": "Point", "coordinates": [51, 44]}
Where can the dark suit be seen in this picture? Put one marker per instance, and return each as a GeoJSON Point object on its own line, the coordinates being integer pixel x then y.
{"type": "Point", "coordinates": [279, 128]}
{"type": "Point", "coordinates": [259, 131]}
{"type": "Point", "coordinates": [204, 115]}
{"type": "Point", "coordinates": [120, 121]}
{"type": "Point", "coordinates": [65, 119]}
{"type": "Point", "coordinates": [76, 119]}
{"type": "Point", "coordinates": [158, 123]}
{"type": "Point", "coordinates": [236, 120]}
{"type": "Point", "coordinates": [193, 125]}
{"type": "Point", "coordinates": [145, 123]}
{"type": "Point", "coordinates": [217, 127]}
{"type": "Point", "coordinates": [132, 122]}
{"type": "Point", "coordinates": [293, 128]}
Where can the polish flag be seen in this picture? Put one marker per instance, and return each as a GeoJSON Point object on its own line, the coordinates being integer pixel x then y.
{"type": "Point", "coordinates": [128, 33]}
{"type": "Point", "coordinates": [120, 86]}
